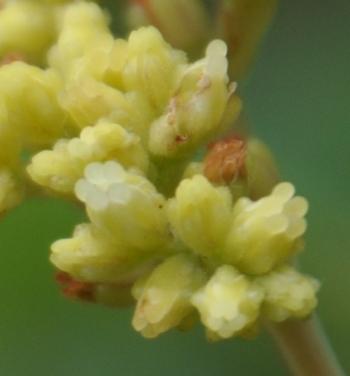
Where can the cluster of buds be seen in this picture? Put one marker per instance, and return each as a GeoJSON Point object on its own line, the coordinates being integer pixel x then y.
{"type": "Point", "coordinates": [118, 126]}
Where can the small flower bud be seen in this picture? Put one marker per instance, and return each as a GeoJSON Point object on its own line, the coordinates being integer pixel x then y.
{"type": "Point", "coordinates": [229, 303]}
{"type": "Point", "coordinates": [88, 256]}
{"type": "Point", "coordinates": [225, 161]}
{"type": "Point", "coordinates": [59, 169]}
{"type": "Point", "coordinates": [111, 294]}
{"type": "Point", "coordinates": [81, 27]}
{"type": "Point", "coordinates": [197, 108]}
{"type": "Point", "coordinates": [163, 299]}
{"type": "Point", "coordinates": [125, 205]}
{"type": "Point", "coordinates": [288, 294]}
{"type": "Point", "coordinates": [200, 215]}
{"type": "Point", "coordinates": [91, 256]}
{"type": "Point", "coordinates": [87, 101]}
{"type": "Point", "coordinates": [152, 67]}
{"type": "Point", "coordinates": [30, 98]}
{"type": "Point", "coordinates": [74, 289]}
{"type": "Point", "coordinates": [247, 167]}
{"type": "Point", "coordinates": [267, 232]}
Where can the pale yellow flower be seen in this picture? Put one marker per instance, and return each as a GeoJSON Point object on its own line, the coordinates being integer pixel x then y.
{"type": "Point", "coordinates": [29, 95]}
{"type": "Point", "coordinates": [196, 109]}
{"type": "Point", "coordinates": [229, 303]}
{"type": "Point", "coordinates": [152, 67]}
{"type": "Point", "coordinates": [92, 256]}
{"type": "Point", "coordinates": [81, 27]}
{"type": "Point", "coordinates": [288, 294]}
{"type": "Point", "coordinates": [163, 299]}
{"type": "Point", "coordinates": [125, 205]}
{"type": "Point", "coordinates": [267, 232]}
{"type": "Point", "coordinates": [200, 215]}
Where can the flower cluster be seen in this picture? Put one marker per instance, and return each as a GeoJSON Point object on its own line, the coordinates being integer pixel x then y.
{"type": "Point", "coordinates": [184, 218]}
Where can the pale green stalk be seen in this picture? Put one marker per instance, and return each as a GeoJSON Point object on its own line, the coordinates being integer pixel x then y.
{"type": "Point", "coordinates": [305, 348]}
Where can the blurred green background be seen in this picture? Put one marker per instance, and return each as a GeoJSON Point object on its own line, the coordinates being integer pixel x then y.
{"type": "Point", "coordinates": [297, 99]}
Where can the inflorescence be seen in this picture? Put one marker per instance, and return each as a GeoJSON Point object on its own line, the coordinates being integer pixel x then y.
{"type": "Point", "coordinates": [184, 218]}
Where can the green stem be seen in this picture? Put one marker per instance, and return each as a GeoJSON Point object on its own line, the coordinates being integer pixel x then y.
{"type": "Point", "coordinates": [305, 348]}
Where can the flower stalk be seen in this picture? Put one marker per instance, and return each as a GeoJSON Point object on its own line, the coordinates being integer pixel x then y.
{"type": "Point", "coordinates": [305, 348]}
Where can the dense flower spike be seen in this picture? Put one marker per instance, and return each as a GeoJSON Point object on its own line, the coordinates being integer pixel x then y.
{"type": "Point", "coordinates": [184, 217]}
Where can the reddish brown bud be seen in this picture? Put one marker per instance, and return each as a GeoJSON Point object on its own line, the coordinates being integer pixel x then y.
{"type": "Point", "coordinates": [225, 160]}
{"type": "Point", "coordinates": [74, 289]}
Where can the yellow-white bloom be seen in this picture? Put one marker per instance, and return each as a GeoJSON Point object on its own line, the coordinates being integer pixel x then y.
{"type": "Point", "coordinates": [197, 106]}
{"type": "Point", "coordinates": [29, 97]}
{"type": "Point", "coordinates": [163, 299]}
{"type": "Point", "coordinates": [152, 67]}
{"type": "Point", "coordinates": [81, 27]}
{"type": "Point", "coordinates": [288, 294]}
{"type": "Point", "coordinates": [87, 101]}
{"type": "Point", "coordinates": [267, 232]}
{"type": "Point", "coordinates": [60, 168]}
{"type": "Point", "coordinates": [200, 215]}
{"type": "Point", "coordinates": [91, 256]}
{"type": "Point", "coordinates": [125, 205]}
{"type": "Point", "coordinates": [229, 303]}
